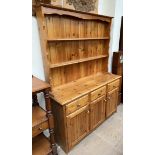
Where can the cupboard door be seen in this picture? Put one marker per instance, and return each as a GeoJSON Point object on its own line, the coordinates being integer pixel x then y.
{"type": "Point", "coordinates": [77, 125]}
{"type": "Point", "coordinates": [112, 98]}
{"type": "Point", "coordinates": [97, 112]}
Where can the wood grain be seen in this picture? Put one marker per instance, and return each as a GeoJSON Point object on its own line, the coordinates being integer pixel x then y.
{"type": "Point", "coordinates": [78, 125]}
{"type": "Point", "coordinates": [98, 93]}
{"type": "Point", "coordinates": [77, 61]}
{"type": "Point", "coordinates": [42, 120]}
{"type": "Point", "coordinates": [39, 120]}
{"type": "Point", "coordinates": [81, 87]}
{"type": "Point", "coordinates": [76, 50]}
{"type": "Point", "coordinates": [97, 112]}
{"type": "Point", "coordinates": [38, 85]}
{"type": "Point", "coordinates": [112, 99]}
{"type": "Point", "coordinates": [113, 85]}
{"type": "Point", "coordinates": [76, 105]}
{"type": "Point", "coordinates": [41, 145]}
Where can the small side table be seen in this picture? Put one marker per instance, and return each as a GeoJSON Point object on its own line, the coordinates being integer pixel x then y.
{"type": "Point", "coordinates": [42, 120]}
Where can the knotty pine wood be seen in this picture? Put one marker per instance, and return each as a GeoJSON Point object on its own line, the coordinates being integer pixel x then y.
{"type": "Point", "coordinates": [112, 99]}
{"type": "Point", "coordinates": [75, 49]}
{"type": "Point", "coordinates": [60, 125]}
{"type": "Point", "coordinates": [61, 112]}
{"type": "Point", "coordinates": [76, 36]}
{"type": "Point", "coordinates": [70, 73]}
{"type": "Point", "coordinates": [97, 112]}
{"type": "Point", "coordinates": [81, 87]}
{"type": "Point", "coordinates": [76, 105]}
{"type": "Point", "coordinates": [113, 85]}
{"type": "Point", "coordinates": [78, 126]}
{"type": "Point", "coordinates": [98, 93]}
{"type": "Point", "coordinates": [77, 61]}
{"type": "Point", "coordinates": [73, 28]}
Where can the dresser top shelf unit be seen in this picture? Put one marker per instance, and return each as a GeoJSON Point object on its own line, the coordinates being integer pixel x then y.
{"type": "Point", "coordinates": [75, 48]}
{"type": "Point", "coordinates": [71, 91]}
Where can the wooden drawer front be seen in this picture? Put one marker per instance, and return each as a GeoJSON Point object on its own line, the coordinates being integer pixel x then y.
{"type": "Point", "coordinates": [98, 93]}
{"type": "Point", "coordinates": [113, 85]}
{"type": "Point", "coordinates": [39, 128]}
{"type": "Point", "coordinates": [75, 105]}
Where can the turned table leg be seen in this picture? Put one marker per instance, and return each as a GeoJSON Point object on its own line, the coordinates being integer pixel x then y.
{"type": "Point", "coordinates": [50, 121]}
{"type": "Point", "coordinates": [35, 100]}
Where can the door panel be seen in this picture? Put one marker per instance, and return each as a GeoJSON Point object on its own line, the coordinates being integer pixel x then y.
{"type": "Point", "coordinates": [78, 125]}
{"type": "Point", "coordinates": [97, 112]}
{"type": "Point", "coordinates": [112, 98]}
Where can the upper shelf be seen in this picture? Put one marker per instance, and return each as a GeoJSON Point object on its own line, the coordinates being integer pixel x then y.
{"type": "Point", "coordinates": [77, 61]}
{"type": "Point", "coordinates": [76, 39]}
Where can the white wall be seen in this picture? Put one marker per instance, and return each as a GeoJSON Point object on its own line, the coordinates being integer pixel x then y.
{"type": "Point", "coordinates": [112, 8]}
{"type": "Point", "coordinates": [117, 24]}
{"type": "Point", "coordinates": [106, 7]}
{"type": "Point", "coordinates": [37, 63]}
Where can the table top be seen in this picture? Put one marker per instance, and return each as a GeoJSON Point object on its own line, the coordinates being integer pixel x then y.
{"type": "Point", "coordinates": [38, 85]}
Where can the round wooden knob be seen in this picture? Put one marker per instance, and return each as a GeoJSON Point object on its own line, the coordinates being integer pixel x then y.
{"type": "Point", "coordinates": [40, 128]}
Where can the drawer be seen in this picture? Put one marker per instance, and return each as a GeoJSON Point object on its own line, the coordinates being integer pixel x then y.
{"type": "Point", "coordinates": [39, 128]}
{"type": "Point", "coordinates": [77, 104]}
{"type": "Point", "coordinates": [113, 85]}
{"type": "Point", "coordinates": [98, 93]}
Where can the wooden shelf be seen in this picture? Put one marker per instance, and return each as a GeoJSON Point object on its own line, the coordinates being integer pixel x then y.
{"type": "Point", "coordinates": [38, 116]}
{"type": "Point", "coordinates": [41, 145]}
{"type": "Point", "coordinates": [77, 61]}
{"type": "Point", "coordinates": [71, 91]}
{"type": "Point", "coordinates": [76, 39]}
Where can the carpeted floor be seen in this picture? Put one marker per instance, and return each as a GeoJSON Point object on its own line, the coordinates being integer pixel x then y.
{"type": "Point", "coordinates": [107, 139]}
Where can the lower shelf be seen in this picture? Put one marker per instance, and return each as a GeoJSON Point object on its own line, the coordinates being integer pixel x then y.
{"type": "Point", "coordinates": [41, 145]}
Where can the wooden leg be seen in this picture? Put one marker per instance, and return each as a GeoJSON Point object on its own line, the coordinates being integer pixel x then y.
{"type": "Point", "coordinates": [50, 153]}
{"type": "Point", "coordinates": [35, 100]}
{"type": "Point", "coordinates": [50, 121]}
